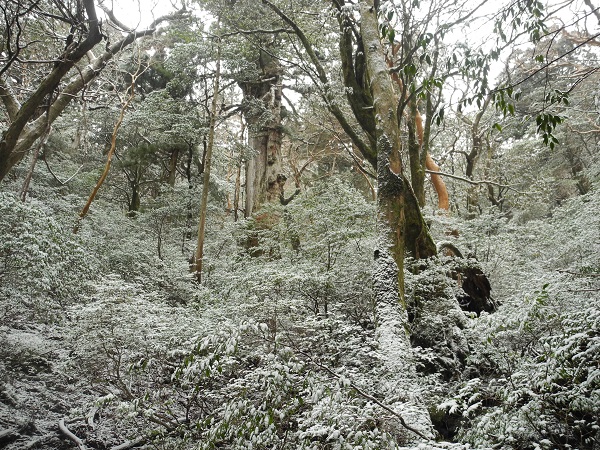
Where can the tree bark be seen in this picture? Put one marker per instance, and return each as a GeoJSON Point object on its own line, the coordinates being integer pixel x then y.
{"type": "Point", "coordinates": [415, 143]}
{"type": "Point", "coordinates": [264, 176]}
{"type": "Point", "coordinates": [438, 183]}
{"type": "Point", "coordinates": [393, 192]}
{"type": "Point", "coordinates": [198, 259]}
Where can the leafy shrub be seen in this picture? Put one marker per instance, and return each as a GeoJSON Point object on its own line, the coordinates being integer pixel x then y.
{"type": "Point", "coordinates": [43, 266]}
{"type": "Point", "coordinates": [540, 382]}
{"type": "Point", "coordinates": [233, 389]}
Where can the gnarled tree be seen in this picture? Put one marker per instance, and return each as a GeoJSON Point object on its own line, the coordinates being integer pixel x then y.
{"type": "Point", "coordinates": [58, 80]}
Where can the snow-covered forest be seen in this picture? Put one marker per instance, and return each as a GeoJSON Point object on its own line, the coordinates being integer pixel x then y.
{"type": "Point", "coordinates": [308, 224]}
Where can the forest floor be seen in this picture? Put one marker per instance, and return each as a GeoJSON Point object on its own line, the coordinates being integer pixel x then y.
{"type": "Point", "coordinates": [41, 385]}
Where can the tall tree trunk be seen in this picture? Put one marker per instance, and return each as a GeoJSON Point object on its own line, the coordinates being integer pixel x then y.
{"type": "Point", "coordinates": [236, 194]}
{"type": "Point", "coordinates": [392, 209]}
{"type": "Point", "coordinates": [111, 152]}
{"type": "Point", "coordinates": [207, 163]}
{"type": "Point", "coordinates": [264, 177]}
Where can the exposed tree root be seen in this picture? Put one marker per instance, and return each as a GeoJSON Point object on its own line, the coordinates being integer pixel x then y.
{"type": "Point", "coordinates": [64, 430]}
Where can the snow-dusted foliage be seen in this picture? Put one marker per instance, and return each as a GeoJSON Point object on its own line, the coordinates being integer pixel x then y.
{"type": "Point", "coordinates": [43, 266]}
{"type": "Point", "coordinates": [436, 320]}
{"type": "Point", "coordinates": [299, 333]}
{"type": "Point", "coordinates": [532, 379]}
{"type": "Point", "coordinates": [279, 347]}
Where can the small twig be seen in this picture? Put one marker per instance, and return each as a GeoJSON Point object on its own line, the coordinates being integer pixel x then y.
{"type": "Point", "coordinates": [90, 418]}
{"type": "Point", "coordinates": [130, 444]}
{"type": "Point", "coordinates": [579, 274]}
{"type": "Point", "coordinates": [257, 31]}
{"type": "Point", "coordinates": [64, 430]}
{"type": "Point", "coordinates": [474, 182]}
{"type": "Point", "coordinates": [111, 15]}
{"type": "Point", "coordinates": [62, 183]}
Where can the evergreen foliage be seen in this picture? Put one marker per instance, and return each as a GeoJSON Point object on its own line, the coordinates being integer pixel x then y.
{"type": "Point", "coordinates": [284, 342]}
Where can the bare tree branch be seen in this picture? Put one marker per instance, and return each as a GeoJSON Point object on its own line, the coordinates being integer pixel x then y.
{"type": "Point", "coordinates": [111, 15]}
{"type": "Point", "coordinates": [21, 134]}
{"type": "Point", "coordinates": [473, 182]}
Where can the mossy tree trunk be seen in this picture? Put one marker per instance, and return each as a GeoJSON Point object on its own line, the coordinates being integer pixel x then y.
{"type": "Point", "coordinates": [400, 228]}
{"type": "Point", "coordinates": [372, 98]}
{"type": "Point", "coordinates": [262, 109]}
{"type": "Point", "coordinates": [417, 168]}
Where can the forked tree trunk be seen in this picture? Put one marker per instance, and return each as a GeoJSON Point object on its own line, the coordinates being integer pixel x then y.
{"type": "Point", "coordinates": [392, 211]}
{"type": "Point", "coordinates": [418, 149]}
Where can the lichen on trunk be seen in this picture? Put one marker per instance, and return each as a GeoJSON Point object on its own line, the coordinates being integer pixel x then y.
{"type": "Point", "coordinates": [262, 110]}
{"type": "Point", "coordinates": [393, 192]}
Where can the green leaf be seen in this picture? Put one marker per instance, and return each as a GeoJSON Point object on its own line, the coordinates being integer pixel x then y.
{"type": "Point", "coordinates": [391, 35]}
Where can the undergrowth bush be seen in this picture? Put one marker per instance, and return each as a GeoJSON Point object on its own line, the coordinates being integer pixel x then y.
{"type": "Point", "coordinates": [179, 379]}
{"type": "Point", "coordinates": [44, 267]}
{"type": "Point", "coordinates": [535, 381]}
